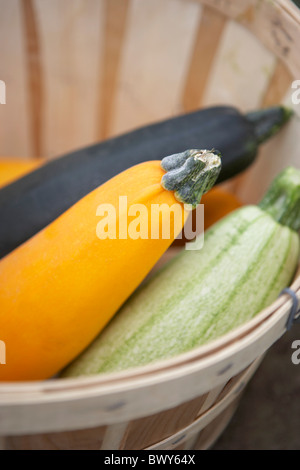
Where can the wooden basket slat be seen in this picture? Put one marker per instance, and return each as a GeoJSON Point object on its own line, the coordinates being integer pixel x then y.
{"type": "Point", "coordinates": [115, 25]}
{"type": "Point", "coordinates": [14, 124]}
{"type": "Point", "coordinates": [202, 57]}
{"type": "Point", "coordinates": [278, 86]}
{"type": "Point", "coordinates": [114, 436]}
{"type": "Point", "coordinates": [210, 398]}
{"type": "Point", "coordinates": [150, 84]}
{"type": "Point", "coordinates": [71, 65]}
{"type": "Point", "coordinates": [89, 439]}
{"type": "Point", "coordinates": [204, 419]}
{"type": "Point", "coordinates": [208, 436]}
{"type": "Point", "coordinates": [151, 429]}
{"type": "Point", "coordinates": [229, 8]}
{"type": "Point", "coordinates": [235, 78]}
{"type": "Point", "coordinates": [34, 71]}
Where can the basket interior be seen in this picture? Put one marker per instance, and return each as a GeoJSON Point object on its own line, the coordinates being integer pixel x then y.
{"type": "Point", "coordinates": [80, 72]}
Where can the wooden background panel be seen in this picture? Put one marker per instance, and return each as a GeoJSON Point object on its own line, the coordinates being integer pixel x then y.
{"type": "Point", "coordinates": [14, 123]}
{"type": "Point", "coordinates": [71, 37]}
{"type": "Point", "coordinates": [156, 54]}
{"type": "Point", "coordinates": [241, 70]}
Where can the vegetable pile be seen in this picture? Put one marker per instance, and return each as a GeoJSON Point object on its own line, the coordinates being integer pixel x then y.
{"type": "Point", "coordinates": [31, 203]}
{"type": "Point", "coordinates": [247, 259]}
{"type": "Point", "coordinates": [72, 298]}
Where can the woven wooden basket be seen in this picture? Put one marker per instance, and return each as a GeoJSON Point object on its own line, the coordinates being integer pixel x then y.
{"type": "Point", "coordinates": [77, 72]}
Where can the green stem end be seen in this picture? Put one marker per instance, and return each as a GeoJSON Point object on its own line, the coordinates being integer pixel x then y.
{"type": "Point", "coordinates": [282, 200]}
{"type": "Point", "coordinates": [190, 174]}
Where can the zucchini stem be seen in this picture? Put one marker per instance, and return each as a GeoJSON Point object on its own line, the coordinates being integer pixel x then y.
{"type": "Point", "coordinates": [282, 200]}
{"type": "Point", "coordinates": [190, 174]}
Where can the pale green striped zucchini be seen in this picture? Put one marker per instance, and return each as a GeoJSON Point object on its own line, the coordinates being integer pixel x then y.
{"type": "Point", "coordinates": [247, 259]}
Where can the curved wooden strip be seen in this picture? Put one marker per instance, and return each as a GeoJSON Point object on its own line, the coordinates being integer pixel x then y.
{"type": "Point", "coordinates": [208, 436]}
{"type": "Point", "coordinates": [71, 34]}
{"type": "Point", "coordinates": [205, 418]}
{"type": "Point", "coordinates": [154, 61]}
{"type": "Point", "coordinates": [15, 127]}
{"type": "Point", "coordinates": [35, 76]}
{"type": "Point", "coordinates": [279, 83]}
{"type": "Point", "coordinates": [236, 76]}
{"type": "Point", "coordinates": [275, 23]}
{"type": "Point", "coordinates": [233, 9]}
{"type": "Point", "coordinates": [115, 13]}
{"type": "Point", "coordinates": [209, 35]}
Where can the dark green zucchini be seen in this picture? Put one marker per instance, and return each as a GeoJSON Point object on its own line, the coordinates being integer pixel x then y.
{"type": "Point", "coordinates": [32, 202]}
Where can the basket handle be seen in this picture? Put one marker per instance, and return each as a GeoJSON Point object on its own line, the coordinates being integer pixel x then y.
{"type": "Point", "coordinates": [294, 315]}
